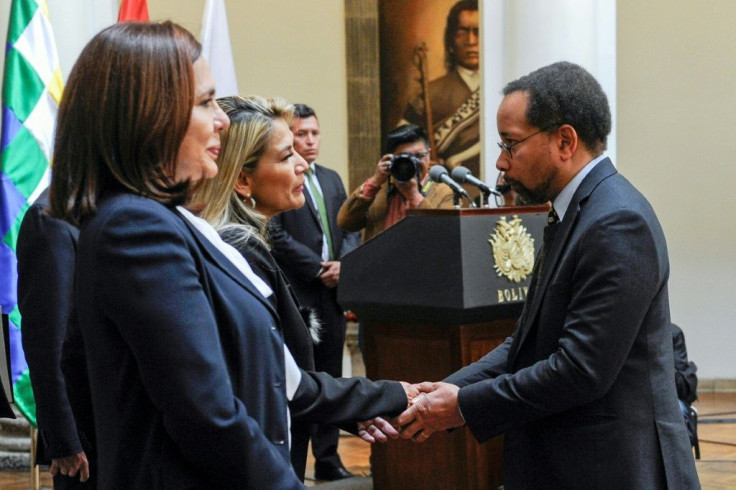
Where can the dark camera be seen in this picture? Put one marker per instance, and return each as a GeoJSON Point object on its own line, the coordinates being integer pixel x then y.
{"type": "Point", "coordinates": [404, 166]}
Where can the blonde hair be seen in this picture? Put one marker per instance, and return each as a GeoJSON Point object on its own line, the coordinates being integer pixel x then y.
{"type": "Point", "coordinates": [242, 146]}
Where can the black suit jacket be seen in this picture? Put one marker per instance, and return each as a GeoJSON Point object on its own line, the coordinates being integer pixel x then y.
{"type": "Point", "coordinates": [185, 356]}
{"type": "Point", "coordinates": [46, 250]}
{"type": "Point", "coordinates": [297, 238]}
{"type": "Point", "coordinates": [584, 389]}
{"type": "Point", "coordinates": [320, 398]}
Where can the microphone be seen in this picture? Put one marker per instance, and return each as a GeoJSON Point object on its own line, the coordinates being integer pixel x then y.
{"type": "Point", "coordinates": [462, 174]}
{"type": "Point", "coordinates": [438, 173]}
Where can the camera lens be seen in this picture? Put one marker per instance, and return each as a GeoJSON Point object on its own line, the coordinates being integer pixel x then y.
{"type": "Point", "coordinates": [404, 167]}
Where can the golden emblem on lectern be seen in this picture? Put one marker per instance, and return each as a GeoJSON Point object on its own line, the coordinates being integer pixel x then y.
{"type": "Point", "coordinates": [512, 247]}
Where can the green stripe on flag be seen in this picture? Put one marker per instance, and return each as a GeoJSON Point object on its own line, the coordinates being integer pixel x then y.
{"type": "Point", "coordinates": [22, 86]}
{"type": "Point", "coordinates": [14, 314]}
{"type": "Point", "coordinates": [24, 400]}
{"type": "Point", "coordinates": [24, 163]}
{"type": "Point", "coordinates": [22, 13]}
{"type": "Point", "coordinates": [11, 240]}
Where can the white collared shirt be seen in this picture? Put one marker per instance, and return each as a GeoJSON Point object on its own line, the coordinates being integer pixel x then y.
{"type": "Point", "coordinates": [562, 201]}
{"type": "Point", "coordinates": [470, 77]}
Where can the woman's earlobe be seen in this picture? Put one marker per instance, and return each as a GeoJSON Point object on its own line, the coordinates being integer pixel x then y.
{"type": "Point", "coordinates": [242, 186]}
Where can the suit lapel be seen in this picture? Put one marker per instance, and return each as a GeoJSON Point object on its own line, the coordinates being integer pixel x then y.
{"type": "Point", "coordinates": [601, 171]}
{"type": "Point", "coordinates": [223, 263]}
{"type": "Point", "coordinates": [309, 202]}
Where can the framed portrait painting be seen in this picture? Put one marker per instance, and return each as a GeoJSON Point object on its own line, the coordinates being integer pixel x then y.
{"type": "Point", "coordinates": [430, 56]}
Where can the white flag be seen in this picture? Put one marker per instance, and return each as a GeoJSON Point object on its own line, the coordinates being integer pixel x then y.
{"type": "Point", "coordinates": [76, 22]}
{"type": "Point", "coordinates": [216, 47]}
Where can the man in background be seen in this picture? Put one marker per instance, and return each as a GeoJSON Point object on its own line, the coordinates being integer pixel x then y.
{"type": "Point", "coordinates": [455, 97]}
{"type": "Point", "coordinates": [308, 244]}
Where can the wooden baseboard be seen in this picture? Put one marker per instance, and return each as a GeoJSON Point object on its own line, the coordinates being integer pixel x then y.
{"type": "Point", "coordinates": [716, 385]}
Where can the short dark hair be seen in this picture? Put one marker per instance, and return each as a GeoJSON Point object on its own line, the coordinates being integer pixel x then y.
{"type": "Point", "coordinates": [406, 133]}
{"type": "Point", "coordinates": [303, 111]}
{"type": "Point", "coordinates": [565, 93]}
{"type": "Point", "coordinates": [453, 21]}
{"type": "Point", "coordinates": [123, 116]}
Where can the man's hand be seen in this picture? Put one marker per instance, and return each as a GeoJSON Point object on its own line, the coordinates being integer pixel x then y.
{"type": "Point", "coordinates": [411, 391]}
{"type": "Point", "coordinates": [330, 273]}
{"type": "Point", "coordinates": [435, 409]}
{"type": "Point", "coordinates": [383, 170]}
{"type": "Point", "coordinates": [71, 465]}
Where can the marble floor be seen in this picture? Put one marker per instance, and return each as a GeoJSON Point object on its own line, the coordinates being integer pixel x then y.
{"type": "Point", "coordinates": [716, 468]}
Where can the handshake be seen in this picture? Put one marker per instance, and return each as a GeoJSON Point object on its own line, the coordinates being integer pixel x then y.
{"type": "Point", "coordinates": [432, 407]}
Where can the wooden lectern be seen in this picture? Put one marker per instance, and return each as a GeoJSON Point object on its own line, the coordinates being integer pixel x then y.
{"type": "Point", "coordinates": [430, 300]}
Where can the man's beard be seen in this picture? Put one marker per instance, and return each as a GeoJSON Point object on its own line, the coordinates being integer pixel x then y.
{"type": "Point", "coordinates": [530, 197]}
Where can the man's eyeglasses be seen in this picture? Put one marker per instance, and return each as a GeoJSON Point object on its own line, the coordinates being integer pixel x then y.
{"type": "Point", "coordinates": [507, 148]}
{"type": "Point", "coordinates": [418, 155]}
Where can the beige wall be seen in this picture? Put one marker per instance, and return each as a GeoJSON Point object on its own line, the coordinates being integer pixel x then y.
{"type": "Point", "coordinates": [677, 143]}
{"type": "Point", "coordinates": [676, 131]}
{"type": "Point", "coordinates": [290, 48]}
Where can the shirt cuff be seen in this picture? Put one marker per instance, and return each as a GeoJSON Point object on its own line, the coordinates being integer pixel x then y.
{"type": "Point", "coordinates": [293, 374]}
{"type": "Point", "coordinates": [369, 189]}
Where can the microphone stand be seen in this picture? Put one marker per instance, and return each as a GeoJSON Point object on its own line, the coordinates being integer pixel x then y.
{"type": "Point", "coordinates": [456, 200]}
{"type": "Point", "coordinates": [485, 199]}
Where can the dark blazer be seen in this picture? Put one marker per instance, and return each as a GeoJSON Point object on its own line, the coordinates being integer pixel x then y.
{"type": "Point", "coordinates": [296, 333]}
{"type": "Point", "coordinates": [297, 237]}
{"type": "Point", "coordinates": [46, 249]}
{"type": "Point", "coordinates": [584, 390]}
{"type": "Point", "coordinates": [320, 398]}
{"type": "Point", "coordinates": [185, 356]}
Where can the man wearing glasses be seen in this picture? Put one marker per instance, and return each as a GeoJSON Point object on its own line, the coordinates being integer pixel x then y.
{"type": "Point", "coordinates": [583, 389]}
{"type": "Point", "coordinates": [383, 198]}
{"type": "Point", "coordinates": [455, 97]}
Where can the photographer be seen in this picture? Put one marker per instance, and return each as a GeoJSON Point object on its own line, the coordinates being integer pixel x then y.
{"type": "Point", "coordinates": [401, 181]}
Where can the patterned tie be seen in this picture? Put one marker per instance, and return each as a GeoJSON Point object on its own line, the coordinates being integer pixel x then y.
{"type": "Point", "coordinates": [320, 200]}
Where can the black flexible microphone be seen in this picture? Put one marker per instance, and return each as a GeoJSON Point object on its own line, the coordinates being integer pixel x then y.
{"type": "Point", "coordinates": [438, 173]}
{"type": "Point", "coordinates": [462, 175]}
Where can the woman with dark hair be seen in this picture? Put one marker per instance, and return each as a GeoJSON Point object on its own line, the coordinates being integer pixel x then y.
{"type": "Point", "coordinates": [188, 371]}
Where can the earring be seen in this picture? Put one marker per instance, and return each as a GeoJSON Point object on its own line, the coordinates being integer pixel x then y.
{"type": "Point", "coordinates": [249, 200]}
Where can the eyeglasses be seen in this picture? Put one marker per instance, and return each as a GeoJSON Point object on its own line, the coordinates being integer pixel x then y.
{"type": "Point", "coordinates": [507, 148]}
{"type": "Point", "coordinates": [419, 155]}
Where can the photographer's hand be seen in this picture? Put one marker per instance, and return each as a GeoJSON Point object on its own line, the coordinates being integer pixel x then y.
{"type": "Point", "coordinates": [383, 170]}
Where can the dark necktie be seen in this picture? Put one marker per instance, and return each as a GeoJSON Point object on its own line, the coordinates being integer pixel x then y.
{"type": "Point", "coordinates": [553, 222]}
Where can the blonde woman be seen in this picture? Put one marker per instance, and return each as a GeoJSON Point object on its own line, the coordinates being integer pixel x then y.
{"type": "Point", "coordinates": [260, 175]}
